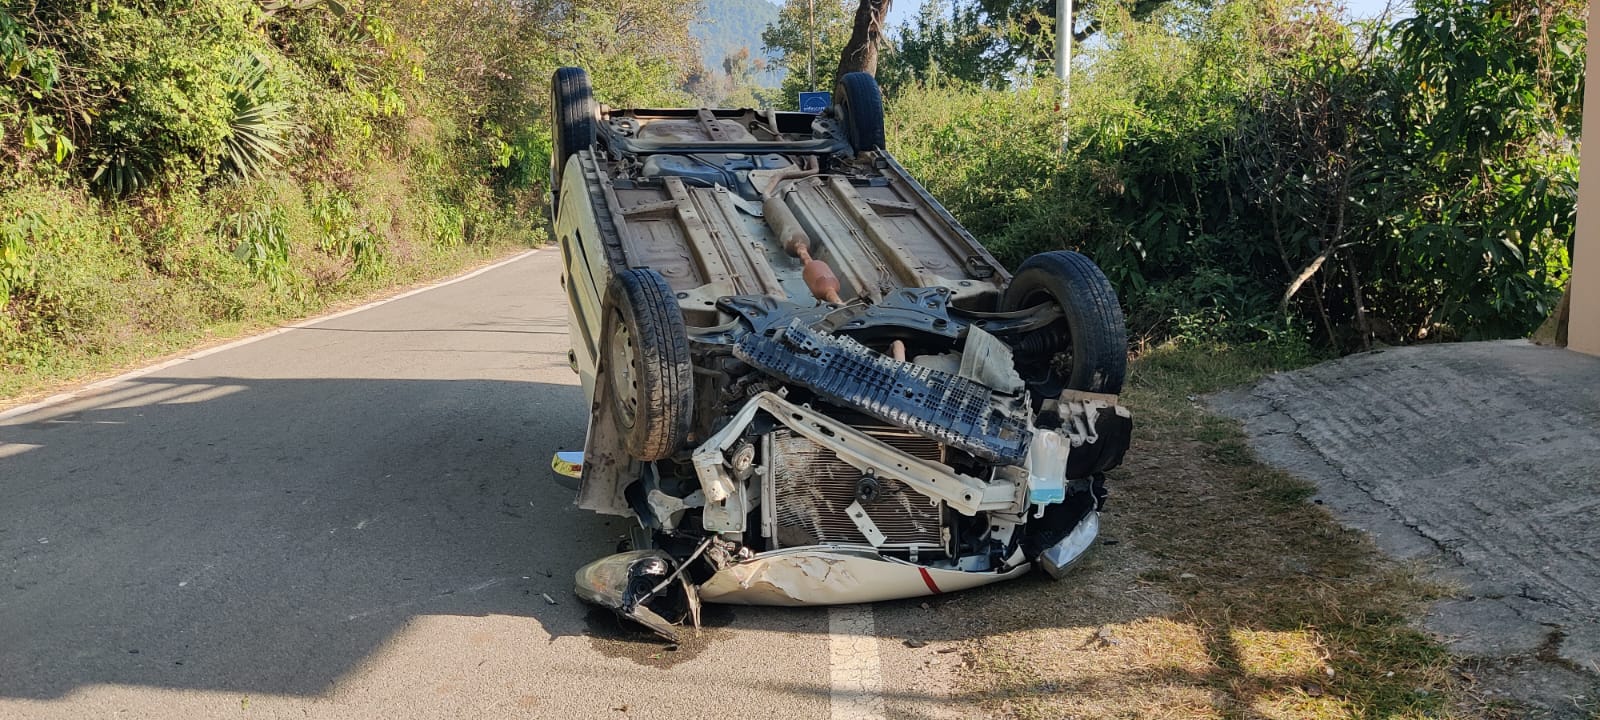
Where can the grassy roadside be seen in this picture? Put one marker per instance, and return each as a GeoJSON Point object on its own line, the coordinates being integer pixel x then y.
{"type": "Point", "coordinates": [1217, 591]}
{"type": "Point", "coordinates": [77, 365]}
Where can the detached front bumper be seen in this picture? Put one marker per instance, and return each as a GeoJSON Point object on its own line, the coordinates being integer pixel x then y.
{"type": "Point", "coordinates": [843, 575]}
{"type": "Point", "coordinates": [836, 575]}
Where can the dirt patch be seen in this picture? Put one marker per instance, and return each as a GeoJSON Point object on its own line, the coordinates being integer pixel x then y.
{"type": "Point", "coordinates": [1477, 461]}
{"type": "Point", "coordinates": [1218, 591]}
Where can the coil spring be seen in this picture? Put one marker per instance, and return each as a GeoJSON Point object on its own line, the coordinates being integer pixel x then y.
{"type": "Point", "coordinates": [1045, 341]}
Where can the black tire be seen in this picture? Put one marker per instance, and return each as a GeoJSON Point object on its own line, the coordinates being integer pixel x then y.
{"type": "Point", "coordinates": [572, 119]}
{"type": "Point", "coordinates": [1092, 330]}
{"type": "Point", "coordinates": [858, 105]}
{"type": "Point", "coordinates": [647, 364]}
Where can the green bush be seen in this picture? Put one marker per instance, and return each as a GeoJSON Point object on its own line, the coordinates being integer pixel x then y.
{"type": "Point", "coordinates": [179, 166]}
{"type": "Point", "coordinates": [1258, 169]}
{"type": "Point", "coordinates": [60, 275]}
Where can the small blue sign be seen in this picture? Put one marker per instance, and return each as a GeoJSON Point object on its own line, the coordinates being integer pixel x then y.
{"type": "Point", "coordinates": [815, 102]}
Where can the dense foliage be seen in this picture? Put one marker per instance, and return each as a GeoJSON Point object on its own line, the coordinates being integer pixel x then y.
{"type": "Point", "coordinates": [808, 36]}
{"type": "Point", "coordinates": [174, 165]}
{"type": "Point", "coordinates": [1241, 168]}
{"type": "Point", "coordinates": [1258, 168]}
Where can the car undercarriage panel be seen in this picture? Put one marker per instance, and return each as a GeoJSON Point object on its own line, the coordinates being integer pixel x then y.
{"type": "Point", "coordinates": [714, 224]}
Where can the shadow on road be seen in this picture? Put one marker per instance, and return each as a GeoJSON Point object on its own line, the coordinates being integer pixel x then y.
{"type": "Point", "coordinates": [268, 535]}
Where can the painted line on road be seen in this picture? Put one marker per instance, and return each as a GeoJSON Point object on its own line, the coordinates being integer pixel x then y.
{"type": "Point", "coordinates": [855, 674]}
{"type": "Point", "coordinates": [108, 382]}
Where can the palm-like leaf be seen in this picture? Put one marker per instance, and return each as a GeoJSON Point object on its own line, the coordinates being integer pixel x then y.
{"type": "Point", "coordinates": [260, 128]}
{"type": "Point", "coordinates": [123, 171]}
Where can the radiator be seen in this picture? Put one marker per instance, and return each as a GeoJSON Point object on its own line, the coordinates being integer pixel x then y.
{"type": "Point", "coordinates": [811, 487]}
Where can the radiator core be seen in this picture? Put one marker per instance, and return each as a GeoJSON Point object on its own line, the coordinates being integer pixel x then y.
{"type": "Point", "coordinates": [811, 487]}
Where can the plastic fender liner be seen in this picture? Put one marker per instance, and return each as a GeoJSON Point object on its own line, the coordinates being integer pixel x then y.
{"type": "Point", "coordinates": [1100, 430]}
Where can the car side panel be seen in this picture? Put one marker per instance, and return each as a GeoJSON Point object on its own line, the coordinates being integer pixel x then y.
{"type": "Point", "coordinates": [585, 270]}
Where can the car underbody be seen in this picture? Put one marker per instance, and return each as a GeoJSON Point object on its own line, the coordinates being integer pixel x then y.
{"type": "Point", "coordinates": [809, 384]}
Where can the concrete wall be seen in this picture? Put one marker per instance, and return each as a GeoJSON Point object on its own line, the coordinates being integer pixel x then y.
{"type": "Point", "coordinates": [1583, 329]}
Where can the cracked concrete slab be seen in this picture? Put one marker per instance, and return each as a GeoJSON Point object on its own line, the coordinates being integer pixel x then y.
{"type": "Point", "coordinates": [1480, 459]}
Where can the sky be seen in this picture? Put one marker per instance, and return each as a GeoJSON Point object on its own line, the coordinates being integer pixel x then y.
{"type": "Point", "coordinates": [902, 10]}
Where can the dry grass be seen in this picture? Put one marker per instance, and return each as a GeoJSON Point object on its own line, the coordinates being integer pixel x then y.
{"type": "Point", "coordinates": [1218, 590]}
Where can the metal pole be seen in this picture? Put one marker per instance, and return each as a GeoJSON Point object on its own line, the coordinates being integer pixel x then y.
{"type": "Point", "coordinates": [811, 52]}
{"type": "Point", "coordinates": [1064, 59]}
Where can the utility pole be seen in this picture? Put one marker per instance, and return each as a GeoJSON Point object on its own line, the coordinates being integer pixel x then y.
{"type": "Point", "coordinates": [1064, 60]}
{"type": "Point", "coordinates": [811, 51]}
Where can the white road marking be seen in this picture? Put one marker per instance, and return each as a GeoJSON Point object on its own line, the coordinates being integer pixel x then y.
{"type": "Point", "coordinates": [853, 667]}
{"type": "Point", "coordinates": [108, 382]}
{"type": "Point", "coordinates": [9, 449]}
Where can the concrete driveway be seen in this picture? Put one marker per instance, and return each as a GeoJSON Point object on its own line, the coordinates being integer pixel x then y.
{"type": "Point", "coordinates": [1481, 460]}
{"type": "Point", "coordinates": [357, 519]}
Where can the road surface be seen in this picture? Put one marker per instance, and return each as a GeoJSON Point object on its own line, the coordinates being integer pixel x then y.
{"type": "Point", "coordinates": [357, 519]}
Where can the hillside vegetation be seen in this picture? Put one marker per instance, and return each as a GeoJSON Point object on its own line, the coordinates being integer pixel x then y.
{"type": "Point", "coordinates": [1245, 170]}
{"type": "Point", "coordinates": [175, 168]}
{"type": "Point", "coordinates": [1256, 170]}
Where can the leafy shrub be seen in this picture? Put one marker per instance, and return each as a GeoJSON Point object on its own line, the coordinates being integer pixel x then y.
{"type": "Point", "coordinates": [179, 165]}
{"type": "Point", "coordinates": [260, 125]}
{"type": "Point", "coordinates": [261, 242]}
{"type": "Point", "coordinates": [16, 267]}
{"type": "Point", "coordinates": [345, 238]}
{"type": "Point", "coordinates": [1258, 168]}
{"type": "Point", "coordinates": [59, 275]}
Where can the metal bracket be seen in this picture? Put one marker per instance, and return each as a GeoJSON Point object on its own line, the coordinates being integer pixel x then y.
{"type": "Point", "coordinates": [864, 523]}
{"type": "Point", "coordinates": [967, 495]}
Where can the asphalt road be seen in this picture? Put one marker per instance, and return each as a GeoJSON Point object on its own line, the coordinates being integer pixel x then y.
{"type": "Point", "coordinates": [357, 519]}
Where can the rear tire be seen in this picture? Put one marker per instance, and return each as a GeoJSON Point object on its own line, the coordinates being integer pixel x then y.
{"type": "Point", "coordinates": [572, 120]}
{"type": "Point", "coordinates": [1091, 330]}
{"type": "Point", "coordinates": [647, 364]}
{"type": "Point", "coordinates": [859, 106]}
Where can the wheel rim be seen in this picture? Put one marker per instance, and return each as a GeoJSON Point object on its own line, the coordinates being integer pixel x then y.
{"type": "Point", "coordinates": [624, 373]}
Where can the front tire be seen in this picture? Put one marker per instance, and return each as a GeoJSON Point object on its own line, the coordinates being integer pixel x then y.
{"type": "Point", "coordinates": [647, 364]}
{"type": "Point", "coordinates": [1091, 331]}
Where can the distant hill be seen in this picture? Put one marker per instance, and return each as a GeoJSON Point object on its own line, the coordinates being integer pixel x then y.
{"type": "Point", "coordinates": [727, 25]}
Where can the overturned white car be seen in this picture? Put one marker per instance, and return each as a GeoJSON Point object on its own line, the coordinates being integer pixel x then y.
{"type": "Point", "coordinates": [809, 384]}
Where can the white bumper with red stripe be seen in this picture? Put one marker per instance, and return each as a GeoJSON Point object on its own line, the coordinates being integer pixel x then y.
{"type": "Point", "coordinates": [836, 575]}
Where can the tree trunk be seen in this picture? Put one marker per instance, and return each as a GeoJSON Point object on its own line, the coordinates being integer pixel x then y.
{"type": "Point", "coordinates": [861, 53]}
